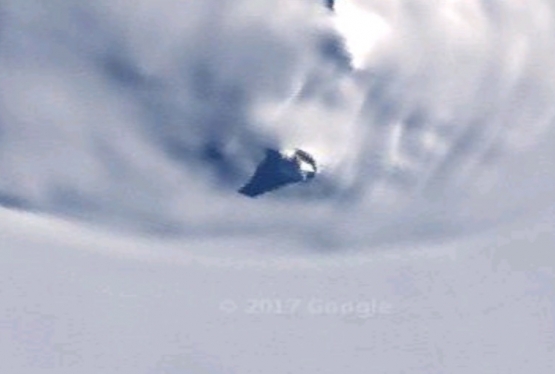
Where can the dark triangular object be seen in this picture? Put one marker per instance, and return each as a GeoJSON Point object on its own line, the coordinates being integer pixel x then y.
{"type": "Point", "coordinates": [277, 170]}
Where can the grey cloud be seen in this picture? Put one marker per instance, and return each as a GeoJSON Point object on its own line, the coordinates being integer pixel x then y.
{"type": "Point", "coordinates": [151, 115]}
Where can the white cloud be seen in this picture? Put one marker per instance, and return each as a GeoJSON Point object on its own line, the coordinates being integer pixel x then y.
{"type": "Point", "coordinates": [151, 115]}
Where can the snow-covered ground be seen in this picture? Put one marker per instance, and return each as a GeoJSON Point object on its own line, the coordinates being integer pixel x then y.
{"type": "Point", "coordinates": [425, 245]}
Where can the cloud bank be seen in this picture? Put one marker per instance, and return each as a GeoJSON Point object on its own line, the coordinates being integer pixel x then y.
{"type": "Point", "coordinates": [429, 118]}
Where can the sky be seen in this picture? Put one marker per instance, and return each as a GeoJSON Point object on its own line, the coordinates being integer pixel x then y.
{"type": "Point", "coordinates": [127, 127]}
